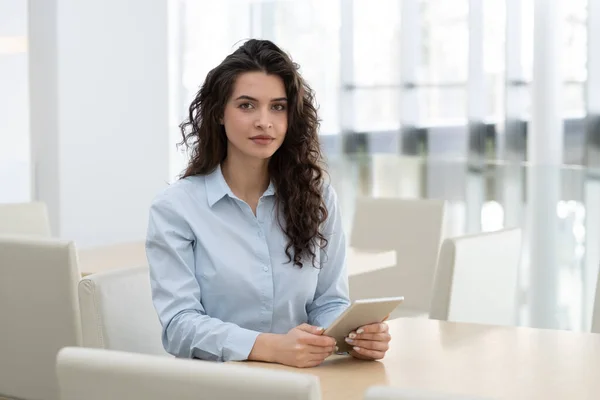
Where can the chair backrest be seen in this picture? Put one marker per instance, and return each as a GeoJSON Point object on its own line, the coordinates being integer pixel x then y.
{"type": "Point", "coordinates": [24, 219]}
{"type": "Point", "coordinates": [117, 312]}
{"type": "Point", "coordinates": [39, 313]}
{"type": "Point", "coordinates": [95, 374]}
{"type": "Point", "coordinates": [413, 228]}
{"type": "Point", "coordinates": [477, 276]}
{"type": "Point", "coordinates": [391, 393]}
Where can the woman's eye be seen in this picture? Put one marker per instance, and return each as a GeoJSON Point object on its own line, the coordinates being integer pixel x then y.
{"type": "Point", "coordinates": [279, 107]}
{"type": "Point", "coordinates": [245, 106]}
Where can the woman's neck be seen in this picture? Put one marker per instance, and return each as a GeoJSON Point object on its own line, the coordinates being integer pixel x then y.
{"type": "Point", "coordinates": [247, 178]}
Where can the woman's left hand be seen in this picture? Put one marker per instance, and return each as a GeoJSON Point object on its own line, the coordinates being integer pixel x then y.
{"type": "Point", "coordinates": [370, 342]}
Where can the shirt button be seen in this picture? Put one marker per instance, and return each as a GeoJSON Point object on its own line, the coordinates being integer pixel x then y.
{"type": "Point", "coordinates": [266, 269]}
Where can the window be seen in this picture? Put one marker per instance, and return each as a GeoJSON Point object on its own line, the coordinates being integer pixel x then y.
{"type": "Point", "coordinates": [310, 31]}
{"type": "Point", "coordinates": [442, 74]}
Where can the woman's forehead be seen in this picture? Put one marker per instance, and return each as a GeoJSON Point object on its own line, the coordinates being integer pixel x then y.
{"type": "Point", "coordinates": [259, 85]}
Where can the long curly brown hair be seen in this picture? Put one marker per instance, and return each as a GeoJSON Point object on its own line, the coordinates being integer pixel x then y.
{"type": "Point", "coordinates": [295, 168]}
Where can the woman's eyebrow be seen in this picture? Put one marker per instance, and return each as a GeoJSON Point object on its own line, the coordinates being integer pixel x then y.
{"type": "Point", "coordinates": [245, 97]}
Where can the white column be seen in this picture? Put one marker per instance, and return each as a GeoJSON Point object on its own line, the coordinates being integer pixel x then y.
{"type": "Point", "coordinates": [593, 57]}
{"type": "Point", "coordinates": [476, 113]}
{"type": "Point", "coordinates": [352, 173]}
{"type": "Point", "coordinates": [476, 93]}
{"type": "Point", "coordinates": [178, 107]}
{"type": "Point", "coordinates": [544, 151]}
{"type": "Point", "coordinates": [516, 91]}
{"type": "Point", "coordinates": [14, 104]}
{"type": "Point", "coordinates": [592, 183]}
{"type": "Point", "coordinates": [99, 114]}
{"type": "Point", "coordinates": [410, 50]}
{"type": "Point", "coordinates": [346, 108]}
{"type": "Point", "coordinates": [545, 139]}
{"type": "Point", "coordinates": [510, 141]}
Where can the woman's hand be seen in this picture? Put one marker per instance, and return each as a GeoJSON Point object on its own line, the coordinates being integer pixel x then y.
{"type": "Point", "coordinates": [370, 342]}
{"type": "Point", "coordinates": [303, 346]}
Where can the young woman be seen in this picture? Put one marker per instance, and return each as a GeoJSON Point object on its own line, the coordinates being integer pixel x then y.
{"type": "Point", "coordinates": [246, 250]}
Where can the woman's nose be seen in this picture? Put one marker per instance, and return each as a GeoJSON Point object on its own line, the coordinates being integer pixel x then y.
{"type": "Point", "coordinates": [263, 121]}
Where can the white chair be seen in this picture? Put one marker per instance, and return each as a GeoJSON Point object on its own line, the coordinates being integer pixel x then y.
{"type": "Point", "coordinates": [95, 374]}
{"type": "Point", "coordinates": [413, 228]}
{"type": "Point", "coordinates": [24, 219]}
{"type": "Point", "coordinates": [476, 279]}
{"type": "Point", "coordinates": [117, 312]}
{"type": "Point", "coordinates": [391, 393]}
{"type": "Point", "coordinates": [39, 313]}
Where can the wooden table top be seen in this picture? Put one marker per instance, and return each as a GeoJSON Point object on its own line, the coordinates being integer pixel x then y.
{"type": "Point", "coordinates": [477, 360]}
{"type": "Point", "coordinates": [133, 254]}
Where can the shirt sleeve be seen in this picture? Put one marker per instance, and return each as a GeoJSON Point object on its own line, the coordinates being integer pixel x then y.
{"type": "Point", "coordinates": [187, 331]}
{"type": "Point", "coordinates": [332, 295]}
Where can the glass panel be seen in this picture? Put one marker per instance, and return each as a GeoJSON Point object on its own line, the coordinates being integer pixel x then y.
{"type": "Point", "coordinates": [309, 31]}
{"type": "Point", "coordinates": [204, 20]}
{"type": "Point", "coordinates": [377, 109]}
{"type": "Point", "coordinates": [442, 105]}
{"type": "Point", "coordinates": [494, 32]}
{"type": "Point", "coordinates": [445, 41]}
{"type": "Point", "coordinates": [376, 42]}
{"type": "Point", "coordinates": [574, 100]}
{"type": "Point", "coordinates": [575, 40]}
{"type": "Point", "coordinates": [507, 200]}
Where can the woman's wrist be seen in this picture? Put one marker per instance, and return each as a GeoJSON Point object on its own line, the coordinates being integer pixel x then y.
{"type": "Point", "coordinates": [264, 348]}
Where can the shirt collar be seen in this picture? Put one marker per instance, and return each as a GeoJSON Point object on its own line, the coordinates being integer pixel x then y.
{"type": "Point", "coordinates": [217, 187]}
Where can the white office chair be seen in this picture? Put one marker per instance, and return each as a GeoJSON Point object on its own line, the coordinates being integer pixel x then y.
{"type": "Point", "coordinates": [39, 313]}
{"type": "Point", "coordinates": [96, 374]}
{"type": "Point", "coordinates": [413, 228]}
{"type": "Point", "coordinates": [391, 393]}
{"type": "Point", "coordinates": [24, 219]}
{"type": "Point", "coordinates": [117, 312]}
{"type": "Point", "coordinates": [476, 279]}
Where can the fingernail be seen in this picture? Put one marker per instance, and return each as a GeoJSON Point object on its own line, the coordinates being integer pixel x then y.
{"type": "Point", "coordinates": [356, 348]}
{"type": "Point", "coordinates": [320, 329]}
{"type": "Point", "coordinates": [361, 330]}
{"type": "Point", "coordinates": [337, 349]}
{"type": "Point", "coordinates": [352, 335]}
{"type": "Point", "coordinates": [349, 340]}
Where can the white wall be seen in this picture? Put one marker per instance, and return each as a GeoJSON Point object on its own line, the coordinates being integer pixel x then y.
{"type": "Point", "coordinates": [14, 108]}
{"type": "Point", "coordinates": [102, 153]}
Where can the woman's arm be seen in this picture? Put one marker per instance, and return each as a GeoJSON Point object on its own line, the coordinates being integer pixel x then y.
{"type": "Point", "coordinates": [187, 331]}
{"type": "Point", "coordinates": [331, 296]}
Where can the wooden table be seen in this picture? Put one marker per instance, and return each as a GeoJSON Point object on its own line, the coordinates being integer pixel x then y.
{"type": "Point", "coordinates": [477, 360]}
{"type": "Point", "coordinates": [124, 255]}
{"type": "Point", "coordinates": [107, 258]}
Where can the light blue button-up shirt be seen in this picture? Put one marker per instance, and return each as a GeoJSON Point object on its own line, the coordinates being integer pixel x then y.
{"type": "Point", "coordinates": [220, 275]}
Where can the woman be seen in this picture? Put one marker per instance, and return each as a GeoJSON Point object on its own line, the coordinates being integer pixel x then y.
{"type": "Point", "coordinates": [246, 250]}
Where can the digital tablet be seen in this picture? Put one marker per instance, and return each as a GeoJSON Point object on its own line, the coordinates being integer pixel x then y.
{"type": "Point", "coordinates": [360, 313]}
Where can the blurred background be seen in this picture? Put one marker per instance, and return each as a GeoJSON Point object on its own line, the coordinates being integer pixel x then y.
{"type": "Point", "coordinates": [491, 105]}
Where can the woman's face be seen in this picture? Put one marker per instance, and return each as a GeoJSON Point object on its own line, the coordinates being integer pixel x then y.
{"type": "Point", "coordinates": [255, 116]}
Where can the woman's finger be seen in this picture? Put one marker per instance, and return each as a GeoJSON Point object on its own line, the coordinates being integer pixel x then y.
{"type": "Point", "coordinates": [373, 328]}
{"type": "Point", "coordinates": [368, 344]}
{"type": "Point", "coordinates": [378, 337]}
{"type": "Point", "coordinates": [320, 350]}
{"type": "Point", "coordinates": [368, 354]}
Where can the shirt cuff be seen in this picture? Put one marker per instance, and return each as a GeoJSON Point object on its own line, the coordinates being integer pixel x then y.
{"type": "Point", "coordinates": [239, 344]}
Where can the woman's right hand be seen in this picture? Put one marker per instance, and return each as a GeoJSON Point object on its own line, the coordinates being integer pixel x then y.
{"type": "Point", "coordinates": [303, 346]}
